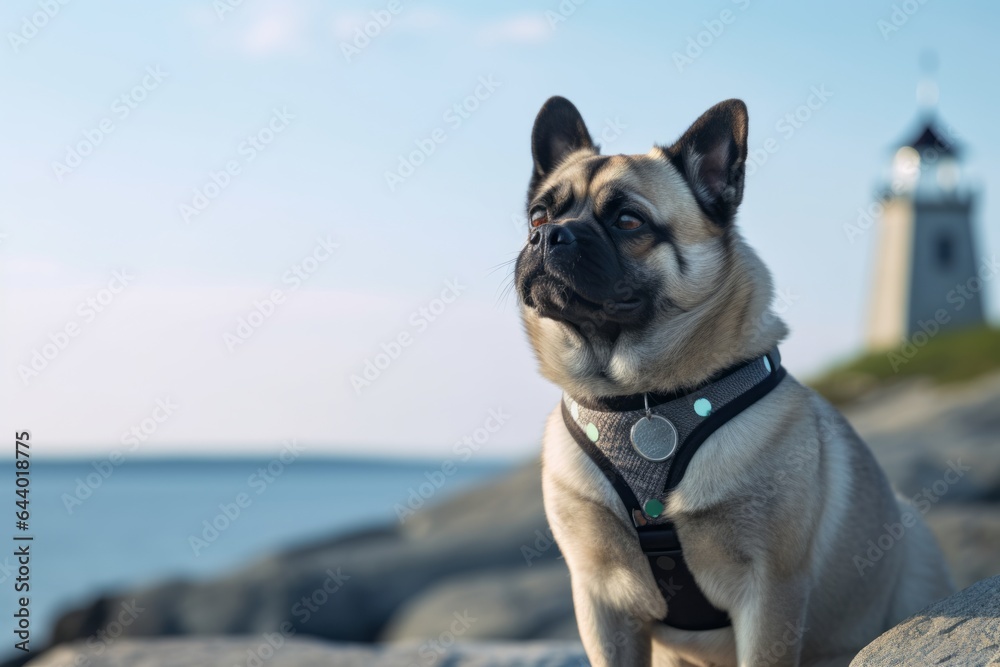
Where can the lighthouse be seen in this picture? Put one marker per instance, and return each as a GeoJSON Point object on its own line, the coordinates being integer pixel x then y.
{"type": "Point", "coordinates": [926, 248]}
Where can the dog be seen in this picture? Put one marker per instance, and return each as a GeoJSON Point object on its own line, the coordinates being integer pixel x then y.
{"type": "Point", "coordinates": [635, 284]}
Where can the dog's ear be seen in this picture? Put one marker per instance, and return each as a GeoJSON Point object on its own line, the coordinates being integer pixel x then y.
{"type": "Point", "coordinates": [559, 130]}
{"type": "Point", "coordinates": [712, 157]}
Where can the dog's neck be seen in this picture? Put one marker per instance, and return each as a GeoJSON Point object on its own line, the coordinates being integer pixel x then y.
{"type": "Point", "coordinates": [641, 400]}
{"type": "Point", "coordinates": [735, 324]}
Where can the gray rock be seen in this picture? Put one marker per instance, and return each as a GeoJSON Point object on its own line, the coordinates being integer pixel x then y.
{"type": "Point", "coordinates": [960, 631]}
{"type": "Point", "coordinates": [300, 652]}
{"type": "Point", "coordinates": [374, 574]}
{"type": "Point", "coordinates": [529, 602]}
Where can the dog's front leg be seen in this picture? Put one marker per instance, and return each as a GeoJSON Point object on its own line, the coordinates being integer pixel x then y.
{"type": "Point", "coordinates": [770, 624]}
{"type": "Point", "coordinates": [614, 592]}
{"type": "Point", "coordinates": [611, 637]}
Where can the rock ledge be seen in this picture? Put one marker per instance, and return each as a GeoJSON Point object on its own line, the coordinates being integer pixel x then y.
{"type": "Point", "coordinates": [304, 652]}
{"type": "Point", "coordinates": [960, 631]}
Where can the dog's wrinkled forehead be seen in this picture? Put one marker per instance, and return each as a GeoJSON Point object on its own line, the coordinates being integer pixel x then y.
{"type": "Point", "coordinates": [588, 182]}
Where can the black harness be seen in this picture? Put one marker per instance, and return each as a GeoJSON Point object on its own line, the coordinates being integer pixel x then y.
{"type": "Point", "coordinates": [646, 461]}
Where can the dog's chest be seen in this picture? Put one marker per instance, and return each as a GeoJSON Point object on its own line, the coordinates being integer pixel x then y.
{"type": "Point", "coordinates": [645, 451]}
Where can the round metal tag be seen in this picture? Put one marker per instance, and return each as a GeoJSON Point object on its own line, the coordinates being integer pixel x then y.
{"type": "Point", "coordinates": [654, 438]}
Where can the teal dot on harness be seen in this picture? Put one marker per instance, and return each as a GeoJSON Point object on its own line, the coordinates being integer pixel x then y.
{"type": "Point", "coordinates": [653, 508]}
{"type": "Point", "coordinates": [703, 407]}
{"type": "Point", "coordinates": [592, 432]}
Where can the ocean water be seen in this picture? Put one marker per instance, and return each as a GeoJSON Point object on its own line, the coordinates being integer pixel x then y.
{"type": "Point", "coordinates": [136, 527]}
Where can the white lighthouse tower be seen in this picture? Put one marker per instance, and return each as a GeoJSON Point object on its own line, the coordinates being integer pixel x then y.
{"type": "Point", "coordinates": [926, 246]}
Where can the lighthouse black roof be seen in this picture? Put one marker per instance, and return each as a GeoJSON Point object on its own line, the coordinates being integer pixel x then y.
{"type": "Point", "coordinates": [930, 135]}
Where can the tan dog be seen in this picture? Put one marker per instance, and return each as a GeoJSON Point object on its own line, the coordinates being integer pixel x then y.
{"type": "Point", "coordinates": [634, 280]}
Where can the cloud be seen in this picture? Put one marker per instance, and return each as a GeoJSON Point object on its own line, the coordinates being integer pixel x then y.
{"type": "Point", "coordinates": [296, 27]}
{"type": "Point", "coordinates": [276, 31]}
{"type": "Point", "coordinates": [526, 28]}
{"type": "Point", "coordinates": [258, 30]}
{"type": "Point", "coordinates": [418, 20]}
{"type": "Point", "coordinates": [530, 28]}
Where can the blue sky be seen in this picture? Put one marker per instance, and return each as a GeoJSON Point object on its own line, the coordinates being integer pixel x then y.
{"type": "Point", "coordinates": [266, 89]}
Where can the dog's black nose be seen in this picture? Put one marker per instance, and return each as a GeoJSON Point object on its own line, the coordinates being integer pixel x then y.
{"type": "Point", "coordinates": [557, 235]}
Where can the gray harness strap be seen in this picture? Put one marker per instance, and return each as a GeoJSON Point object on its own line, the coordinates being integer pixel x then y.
{"type": "Point", "coordinates": [646, 461]}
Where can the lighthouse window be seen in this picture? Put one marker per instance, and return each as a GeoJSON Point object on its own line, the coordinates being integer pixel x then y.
{"type": "Point", "coordinates": [944, 250]}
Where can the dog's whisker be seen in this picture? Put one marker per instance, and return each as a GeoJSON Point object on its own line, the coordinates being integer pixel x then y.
{"type": "Point", "coordinates": [501, 265]}
{"type": "Point", "coordinates": [505, 289]}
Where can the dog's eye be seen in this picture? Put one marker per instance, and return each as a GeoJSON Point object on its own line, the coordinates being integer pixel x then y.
{"type": "Point", "coordinates": [628, 222]}
{"type": "Point", "coordinates": [539, 217]}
